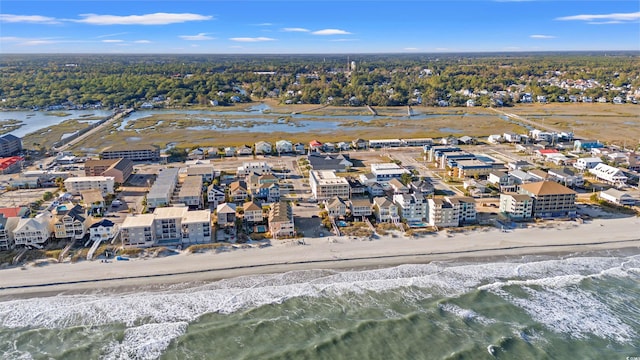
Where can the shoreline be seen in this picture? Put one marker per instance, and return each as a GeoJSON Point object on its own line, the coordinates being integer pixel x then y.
{"type": "Point", "coordinates": [331, 253]}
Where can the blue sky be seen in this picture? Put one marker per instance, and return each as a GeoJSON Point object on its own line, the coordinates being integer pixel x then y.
{"type": "Point", "coordinates": [220, 27]}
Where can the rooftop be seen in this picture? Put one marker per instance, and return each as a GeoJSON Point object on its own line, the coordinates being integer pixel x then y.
{"type": "Point", "coordinates": [546, 188]}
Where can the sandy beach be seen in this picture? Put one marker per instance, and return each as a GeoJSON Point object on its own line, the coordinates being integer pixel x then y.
{"type": "Point", "coordinates": [321, 253]}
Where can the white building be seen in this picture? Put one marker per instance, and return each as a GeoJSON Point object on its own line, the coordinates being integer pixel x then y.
{"type": "Point", "coordinates": [190, 193]}
{"type": "Point", "coordinates": [33, 231]}
{"type": "Point", "coordinates": [516, 206]}
{"type": "Point", "coordinates": [442, 213]}
{"type": "Point", "coordinates": [138, 231]}
{"type": "Point", "coordinates": [411, 207]}
{"type": "Point", "coordinates": [104, 230]}
{"type": "Point", "coordinates": [162, 189]}
{"type": "Point", "coordinates": [254, 167]}
{"type": "Point", "coordinates": [262, 147]}
{"type": "Point", "coordinates": [196, 227]}
{"type": "Point", "coordinates": [284, 147]}
{"type": "Point", "coordinates": [75, 185]}
{"type": "Point", "coordinates": [385, 210]}
{"type": "Point", "coordinates": [609, 174]}
{"type": "Point", "coordinates": [325, 185]}
{"type": "Point", "coordinates": [587, 163]}
{"type": "Point", "coordinates": [387, 171]}
{"type": "Point", "coordinates": [215, 196]}
{"type": "Point", "coordinates": [617, 197]}
{"type": "Point", "coordinates": [7, 225]}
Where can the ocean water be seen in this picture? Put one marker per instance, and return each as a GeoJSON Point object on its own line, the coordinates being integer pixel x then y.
{"type": "Point", "coordinates": [577, 307]}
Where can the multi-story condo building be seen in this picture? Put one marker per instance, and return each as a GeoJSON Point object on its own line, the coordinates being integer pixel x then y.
{"type": "Point", "coordinates": [325, 185]}
{"type": "Point", "coordinates": [7, 225]}
{"type": "Point", "coordinates": [162, 190]}
{"type": "Point", "coordinates": [190, 192]}
{"type": "Point", "coordinates": [132, 152]}
{"type": "Point", "coordinates": [465, 207]}
{"type": "Point", "coordinates": [411, 207]}
{"type": "Point", "coordinates": [10, 145]}
{"type": "Point", "coordinates": [516, 206]}
{"type": "Point", "coordinates": [138, 231]}
{"type": "Point", "coordinates": [75, 185]}
{"type": "Point", "coordinates": [120, 168]}
{"type": "Point", "coordinates": [196, 227]}
{"type": "Point", "coordinates": [442, 213]}
{"type": "Point", "coordinates": [550, 199]}
{"type": "Point", "coordinates": [281, 220]}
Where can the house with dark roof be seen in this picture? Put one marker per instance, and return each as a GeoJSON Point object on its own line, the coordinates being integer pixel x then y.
{"type": "Point", "coordinates": [337, 162]}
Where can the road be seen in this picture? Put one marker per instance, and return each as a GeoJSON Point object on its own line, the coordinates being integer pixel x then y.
{"type": "Point", "coordinates": [100, 127]}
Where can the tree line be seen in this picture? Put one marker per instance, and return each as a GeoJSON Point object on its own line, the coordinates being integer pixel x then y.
{"type": "Point", "coordinates": [376, 79]}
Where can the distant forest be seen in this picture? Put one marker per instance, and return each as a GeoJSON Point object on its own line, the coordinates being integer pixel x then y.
{"type": "Point", "coordinates": [74, 81]}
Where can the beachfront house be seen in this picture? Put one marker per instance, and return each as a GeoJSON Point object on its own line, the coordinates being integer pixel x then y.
{"type": "Point", "coordinates": [360, 207]}
{"type": "Point", "coordinates": [226, 214]}
{"type": "Point", "coordinates": [34, 232]}
{"type": "Point", "coordinates": [70, 222]}
{"type": "Point", "coordinates": [103, 230]}
{"type": "Point", "coordinates": [566, 177]}
{"type": "Point", "coordinates": [252, 212]}
{"type": "Point", "coordinates": [609, 174]}
{"type": "Point", "coordinates": [335, 207]}
{"type": "Point", "coordinates": [617, 197]}
{"type": "Point", "coordinates": [385, 210]}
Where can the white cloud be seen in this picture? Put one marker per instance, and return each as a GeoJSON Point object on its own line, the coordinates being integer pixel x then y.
{"type": "Point", "coordinates": [264, 24]}
{"type": "Point", "coordinates": [199, 37]}
{"type": "Point", "coordinates": [250, 39]}
{"type": "Point", "coordinates": [33, 19]}
{"type": "Point", "coordinates": [331, 32]}
{"type": "Point", "coordinates": [604, 22]}
{"type": "Point", "coordinates": [19, 41]}
{"type": "Point", "coordinates": [147, 19]}
{"type": "Point", "coordinates": [111, 35]}
{"type": "Point", "coordinates": [542, 36]}
{"type": "Point", "coordinates": [410, 49]}
{"type": "Point", "coordinates": [604, 17]}
{"type": "Point", "coordinates": [142, 42]}
{"type": "Point", "coordinates": [112, 41]}
{"type": "Point", "coordinates": [295, 29]}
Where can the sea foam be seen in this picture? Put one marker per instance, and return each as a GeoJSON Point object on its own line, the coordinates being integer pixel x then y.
{"type": "Point", "coordinates": [552, 286]}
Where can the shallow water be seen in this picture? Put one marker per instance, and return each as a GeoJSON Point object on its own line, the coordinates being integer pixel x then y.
{"type": "Point", "coordinates": [535, 308]}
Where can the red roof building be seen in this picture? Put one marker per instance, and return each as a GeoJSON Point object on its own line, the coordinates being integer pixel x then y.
{"type": "Point", "coordinates": [10, 164]}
